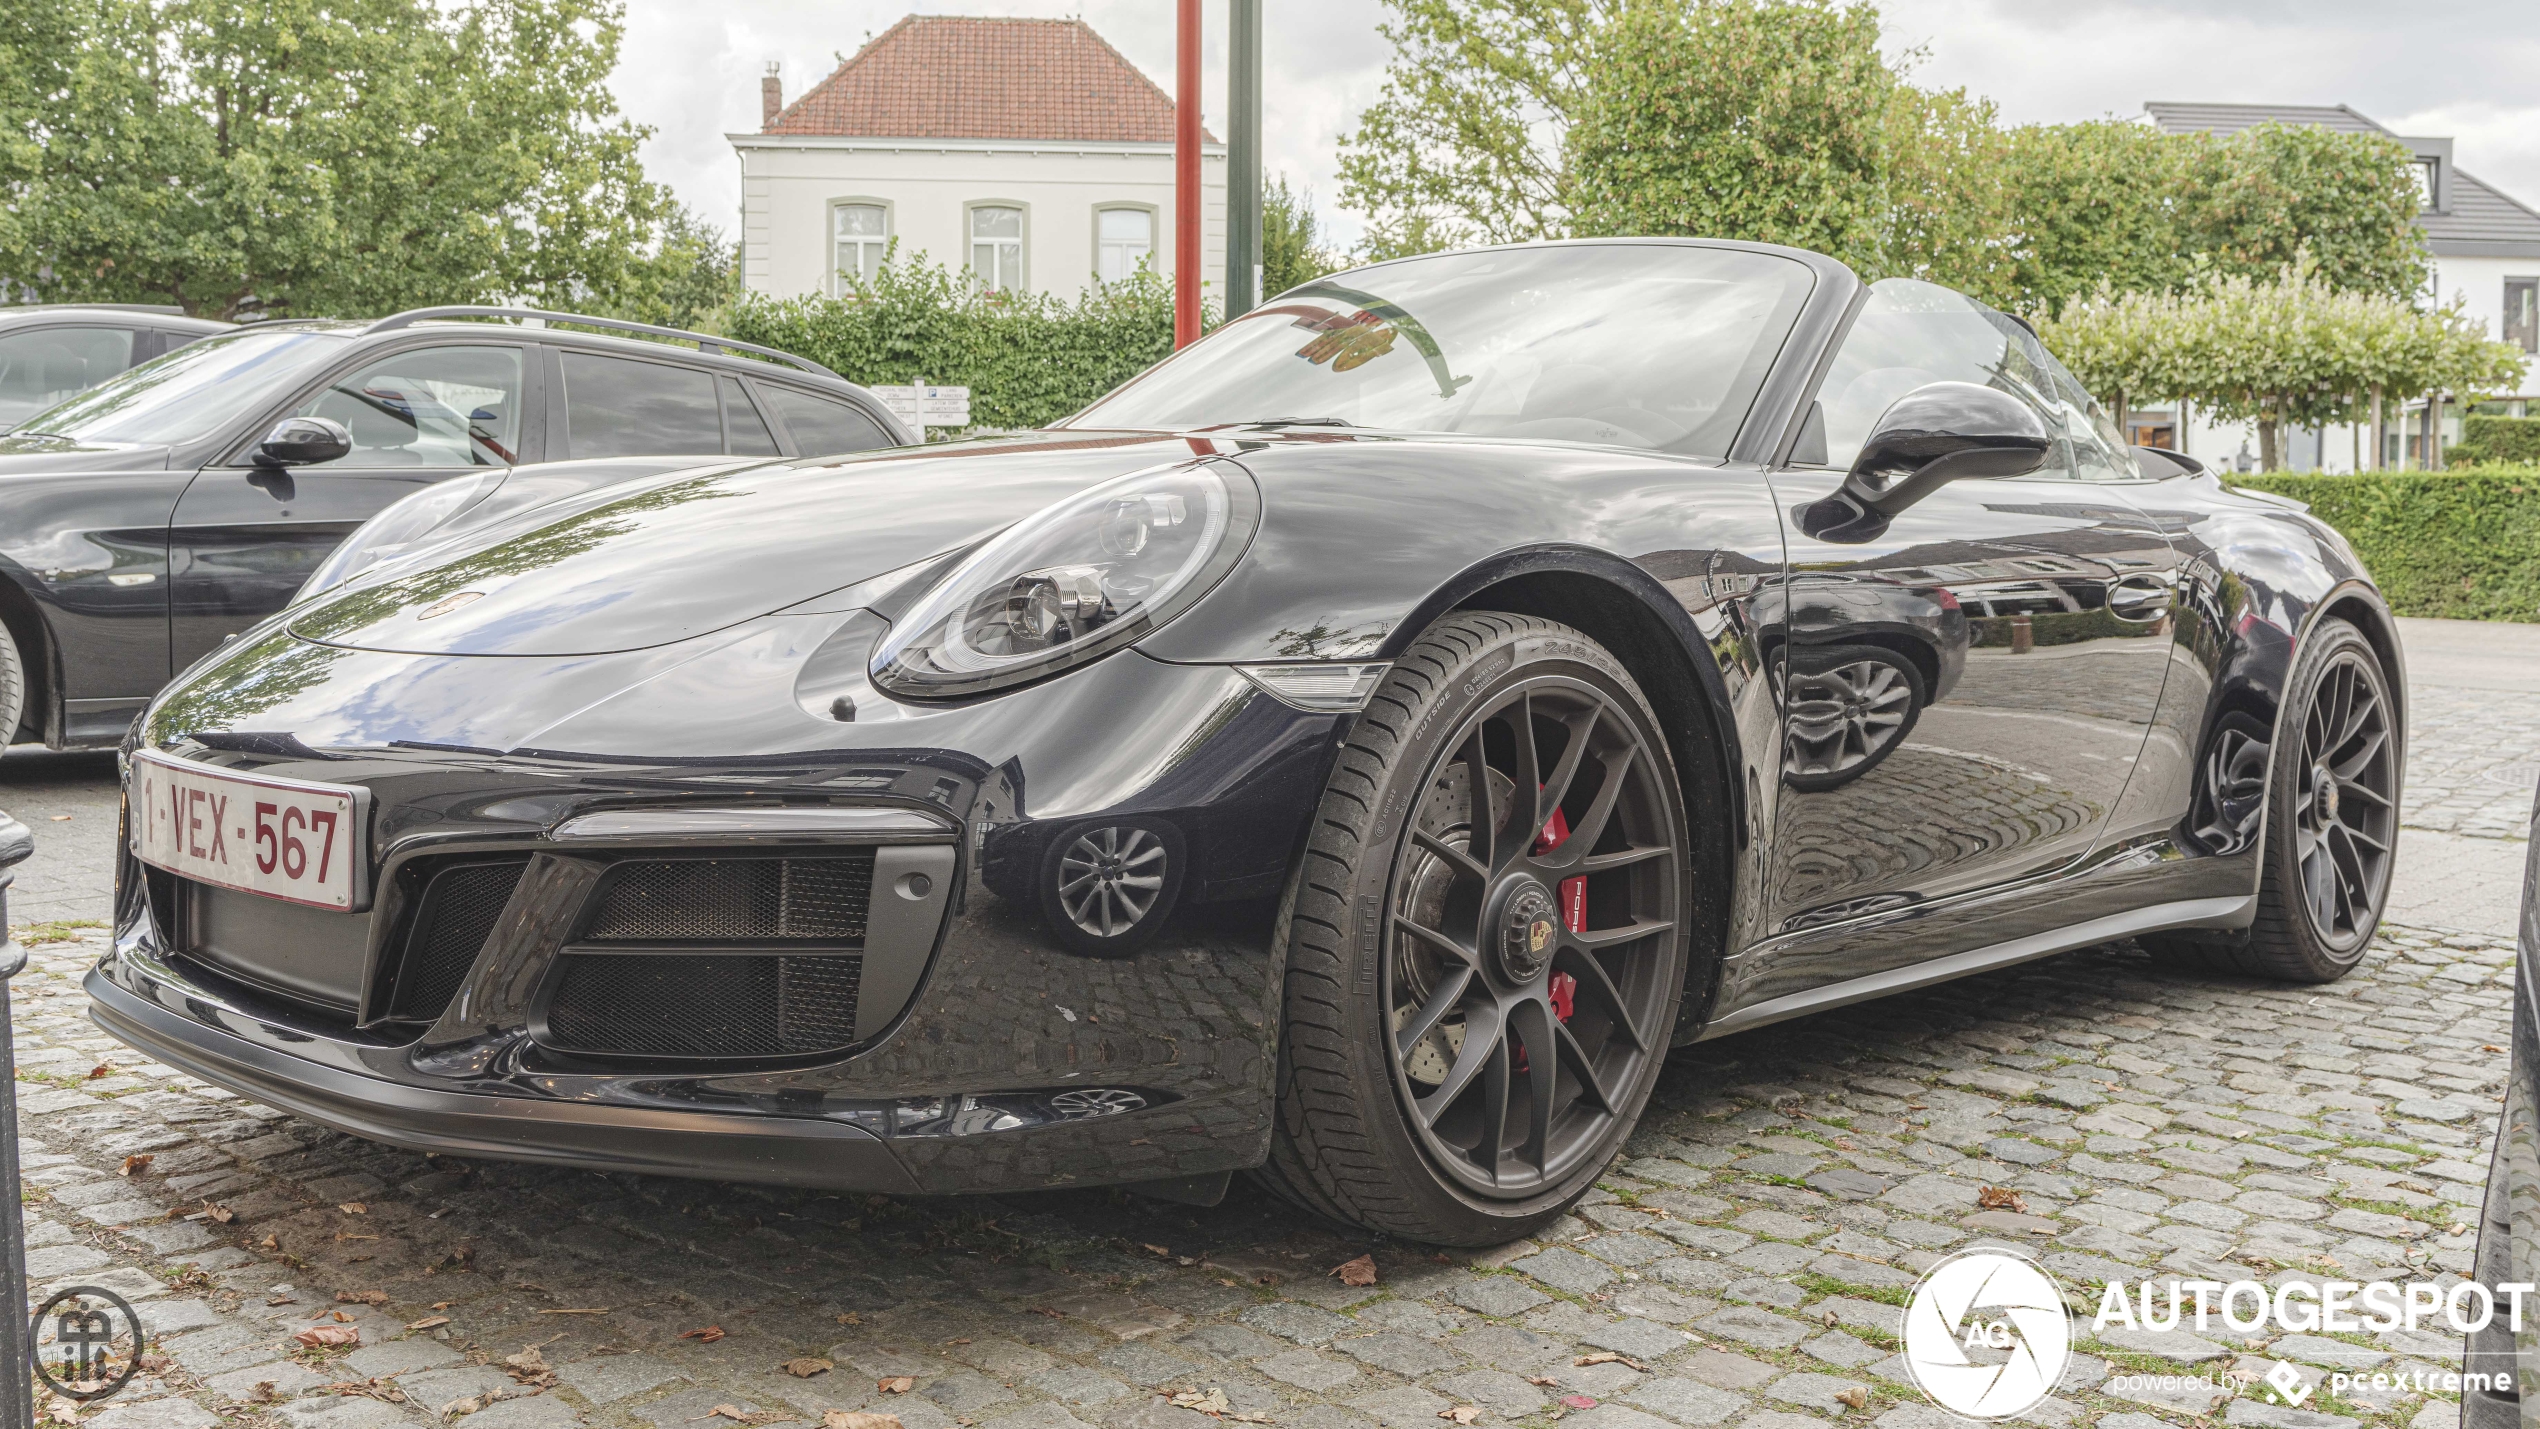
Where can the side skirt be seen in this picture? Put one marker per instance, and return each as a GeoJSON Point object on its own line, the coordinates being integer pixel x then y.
{"type": "Point", "coordinates": [2193, 913]}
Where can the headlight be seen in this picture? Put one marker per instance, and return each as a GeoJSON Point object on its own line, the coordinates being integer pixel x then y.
{"type": "Point", "coordinates": [1076, 581]}
{"type": "Point", "coordinates": [399, 526]}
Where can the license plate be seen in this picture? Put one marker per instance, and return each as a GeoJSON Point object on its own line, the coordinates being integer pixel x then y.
{"type": "Point", "coordinates": [279, 837]}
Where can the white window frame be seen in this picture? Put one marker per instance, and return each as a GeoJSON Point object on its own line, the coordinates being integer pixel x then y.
{"type": "Point", "coordinates": [829, 235]}
{"type": "Point", "coordinates": [1155, 233]}
{"type": "Point", "coordinates": [970, 241]}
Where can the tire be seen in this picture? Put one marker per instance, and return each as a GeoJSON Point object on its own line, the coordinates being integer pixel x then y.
{"type": "Point", "coordinates": [2326, 858]}
{"type": "Point", "coordinates": [1850, 707]}
{"type": "Point", "coordinates": [12, 690]}
{"type": "Point", "coordinates": [1409, 1078]}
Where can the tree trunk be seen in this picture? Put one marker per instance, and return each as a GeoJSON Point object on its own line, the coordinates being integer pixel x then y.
{"type": "Point", "coordinates": [2267, 444]}
{"type": "Point", "coordinates": [2434, 432]}
{"type": "Point", "coordinates": [2376, 426]}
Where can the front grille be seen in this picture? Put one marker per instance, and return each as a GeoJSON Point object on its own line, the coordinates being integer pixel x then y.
{"type": "Point", "coordinates": [728, 900]}
{"type": "Point", "coordinates": [669, 1005]}
{"type": "Point", "coordinates": [451, 922]}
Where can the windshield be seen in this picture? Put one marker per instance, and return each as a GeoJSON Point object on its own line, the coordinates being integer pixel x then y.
{"type": "Point", "coordinates": [192, 390]}
{"type": "Point", "coordinates": [1643, 345]}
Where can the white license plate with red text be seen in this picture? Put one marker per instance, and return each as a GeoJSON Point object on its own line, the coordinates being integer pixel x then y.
{"type": "Point", "coordinates": [278, 837]}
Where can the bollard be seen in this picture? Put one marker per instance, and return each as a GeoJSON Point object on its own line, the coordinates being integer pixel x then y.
{"type": "Point", "coordinates": [17, 1387]}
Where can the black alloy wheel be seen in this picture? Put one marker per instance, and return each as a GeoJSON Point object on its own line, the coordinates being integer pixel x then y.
{"type": "Point", "coordinates": [2332, 821]}
{"type": "Point", "coordinates": [1488, 942]}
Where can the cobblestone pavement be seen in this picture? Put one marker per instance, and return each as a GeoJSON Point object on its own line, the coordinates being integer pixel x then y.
{"type": "Point", "coordinates": [1741, 1265]}
{"type": "Point", "coordinates": [2473, 762]}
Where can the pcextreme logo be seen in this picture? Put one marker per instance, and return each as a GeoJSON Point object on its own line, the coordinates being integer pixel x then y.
{"type": "Point", "coordinates": [1987, 1334]}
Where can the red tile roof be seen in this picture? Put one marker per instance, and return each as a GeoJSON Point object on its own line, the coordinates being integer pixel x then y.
{"type": "Point", "coordinates": [979, 77]}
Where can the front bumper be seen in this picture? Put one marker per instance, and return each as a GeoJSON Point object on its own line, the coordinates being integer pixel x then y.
{"type": "Point", "coordinates": [792, 1151]}
{"type": "Point", "coordinates": [1007, 1061]}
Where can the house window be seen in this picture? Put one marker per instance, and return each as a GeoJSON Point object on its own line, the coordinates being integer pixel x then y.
{"type": "Point", "coordinates": [2522, 313]}
{"type": "Point", "coordinates": [2427, 186]}
{"type": "Point", "coordinates": [996, 245]}
{"type": "Point", "coordinates": [859, 233]}
{"type": "Point", "coordinates": [1123, 239]}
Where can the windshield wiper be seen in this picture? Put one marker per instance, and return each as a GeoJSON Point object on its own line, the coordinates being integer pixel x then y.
{"type": "Point", "coordinates": [1300, 422]}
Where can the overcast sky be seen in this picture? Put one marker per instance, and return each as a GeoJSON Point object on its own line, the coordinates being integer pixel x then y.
{"type": "Point", "coordinates": [2462, 68]}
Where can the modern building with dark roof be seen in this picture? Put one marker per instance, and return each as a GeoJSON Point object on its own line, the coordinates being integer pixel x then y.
{"type": "Point", "coordinates": [2485, 242]}
{"type": "Point", "coordinates": [1029, 152]}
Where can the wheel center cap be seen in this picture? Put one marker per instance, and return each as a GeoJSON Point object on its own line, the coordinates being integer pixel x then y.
{"type": "Point", "coordinates": [1528, 929]}
{"type": "Point", "coordinates": [2324, 793]}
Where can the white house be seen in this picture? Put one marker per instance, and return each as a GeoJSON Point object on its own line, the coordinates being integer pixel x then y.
{"type": "Point", "coordinates": [1027, 151]}
{"type": "Point", "coordinates": [2486, 250]}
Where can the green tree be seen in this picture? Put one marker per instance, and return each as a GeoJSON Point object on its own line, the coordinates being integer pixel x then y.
{"type": "Point", "coordinates": [1463, 144]}
{"type": "Point", "coordinates": [1755, 119]}
{"type": "Point", "coordinates": [346, 157]}
{"type": "Point", "coordinates": [2090, 204]}
{"type": "Point", "coordinates": [2344, 203]}
{"type": "Point", "coordinates": [1948, 203]}
{"type": "Point", "coordinates": [686, 281]}
{"type": "Point", "coordinates": [1289, 252]}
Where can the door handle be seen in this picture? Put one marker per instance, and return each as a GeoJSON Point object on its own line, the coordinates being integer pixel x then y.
{"type": "Point", "coordinates": [2139, 598]}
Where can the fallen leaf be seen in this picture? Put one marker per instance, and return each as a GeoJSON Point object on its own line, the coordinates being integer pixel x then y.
{"type": "Point", "coordinates": [896, 1384]}
{"type": "Point", "coordinates": [135, 1165]}
{"type": "Point", "coordinates": [852, 1318]}
{"type": "Point", "coordinates": [280, 1300]}
{"type": "Point", "coordinates": [1248, 1418]}
{"type": "Point", "coordinates": [1578, 1401]}
{"type": "Point", "coordinates": [61, 818]}
{"type": "Point", "coordinates": [850, 1419]}
{"type": "Point", "coordinates": [270, 1242]}
{"type": "Point", "coordinates": [1854, 1395]}
{"type": "Point", "coordinates": [1543, 1380]}
{"type": "Point", "coordinates": [429, 1322]}
{"type": "Point", "coordinates": [806, 1367]}
{"type": "Point", "coordinates": [2000, 1198]}
{"type": "Point", "coordinates": [263, 1392]}
{"type": "Point", "coordinates": [443, 1304]}
{"type": "Point", "coordinates": [318, 1337]}
{"type": "Point", "coordinates": [2484, 1048]}
{"type": "Point", "coordinates": [102, 1069]}
{"type": "Point", "coordinates": [1209, 1401]}
{"type": "Point", "coordinates": [1831, 1319]}
{"type": "Point", "coordinates": [705, 1335]}
{"type": "Point", "coordinates": [361, 1297]}
{"type": "Point", "coordinates": [956, 1342]}
{"type": "Point", "coordinates": [738, 1415]}
{"type": "Point", "coordinates": [1159, 1250]}
{"type": "Point", "coordinates": [378, 1389]}
{"type": "Point", "coordinates": [1461, 1414]}
{"type": "Point", "coordinates": [2457, 1229]}
{"type": "Point", "coordinates": [65, 1411]}
{"type": "Point", "coordinates": [354, 1208]}
{"type": "Point", "coordinates": [1609, 1357]}
{"type": "Point", "coordinates": [1361, 1271]}
{"type": "Point", "coordinates": [219, 1213]}
{"type": "Point", "coordinates": [458, 1407]}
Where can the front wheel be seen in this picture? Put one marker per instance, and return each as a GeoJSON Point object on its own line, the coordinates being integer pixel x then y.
{"type": "Point", "coordinates": [12, 689]}
{"type": "Point", "coordinates": [1487, 940]}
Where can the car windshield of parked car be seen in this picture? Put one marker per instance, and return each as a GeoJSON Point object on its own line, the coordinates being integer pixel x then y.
{"type": "Point", "coordinates": [1645, 345]}
{"type": "Point", "coordinates": [192, 390]}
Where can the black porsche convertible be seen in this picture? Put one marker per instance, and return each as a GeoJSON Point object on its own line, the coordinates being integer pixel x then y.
{"type": "Point", "coordinates": [1352, 752]}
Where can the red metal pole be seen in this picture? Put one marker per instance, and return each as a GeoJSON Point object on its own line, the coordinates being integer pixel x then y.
{"type": "Point", "coordinates": [1186, 195]}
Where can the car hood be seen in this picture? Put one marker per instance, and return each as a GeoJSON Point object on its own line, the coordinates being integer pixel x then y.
{"type": "Point", "coordinates": [25, 454]}
{"type": "Point", "coordinates": [662, 559]}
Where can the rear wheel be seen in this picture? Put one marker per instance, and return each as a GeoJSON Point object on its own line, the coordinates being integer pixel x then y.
{"type": "Point", "coordinates": [1486, 941]}
{"type": "Point", "coordinates": [2332, 822]}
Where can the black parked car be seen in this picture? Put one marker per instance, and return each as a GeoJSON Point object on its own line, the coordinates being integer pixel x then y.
{"type": "Point", "coordinates": [1354, 751]}
{"type": "Point", "coordinates": [50, 352]}
{"type": "Point", "coordinates": [155, 515]}
{"type": "Point", "coordinates": [2509, 1222]}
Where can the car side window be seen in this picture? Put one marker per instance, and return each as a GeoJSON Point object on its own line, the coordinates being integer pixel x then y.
{"type": "Point", "coordinates": [742, 425]}
{"type": "Point", "coordinates": [619, 406]}
{"type": "Point", "coordinates": [428, 407]}
{"type": "Point", "coordinates": [54, 364]}
{"type": "Point", "coordinates": [823, 426]}
{"type": "Point", "coordinates": [2099, 450]}
{"type": "Point", "coordinates": [1910, 333]}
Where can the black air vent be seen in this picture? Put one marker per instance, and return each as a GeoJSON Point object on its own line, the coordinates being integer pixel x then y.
{"type": "Point", "coordinates": [668, 1005]}
{"type": "Point", "coordinates": [735, 900]}
{"type": "Point", "coordinates": [452, 920]}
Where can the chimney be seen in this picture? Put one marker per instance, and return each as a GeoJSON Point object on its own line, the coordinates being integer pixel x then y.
{"type": "Point", "coordinates": [771, 95]}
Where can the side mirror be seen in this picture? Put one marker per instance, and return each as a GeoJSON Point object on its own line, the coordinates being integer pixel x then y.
{"type": "Point", "coordinates": [302, 441]}
{"type": "Point", "coordinates": [1937, 433]}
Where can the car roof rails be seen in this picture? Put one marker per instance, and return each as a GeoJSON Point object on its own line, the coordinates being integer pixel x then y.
{"type": "Point", "coordinates": [161, 309]}
{"type": "Point", "coordinates": [705, 342]}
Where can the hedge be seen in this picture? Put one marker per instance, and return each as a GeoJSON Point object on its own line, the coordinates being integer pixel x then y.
{"type": "Point", "coordinates": [1028, 359]}
{"type": "Point", "coordinates": [2504, 440]}
{"type": "Point", "coordinates": [2461, 545]}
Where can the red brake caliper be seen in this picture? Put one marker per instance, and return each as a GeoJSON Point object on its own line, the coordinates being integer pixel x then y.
{"type": "Point", "coordinates": [1573, 909]}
